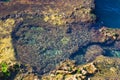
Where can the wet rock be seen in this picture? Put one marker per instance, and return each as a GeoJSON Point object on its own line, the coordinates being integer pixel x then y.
{"type": "Point", "coordinates": [47, 46]}
{"type": "Point", "coordinates": [50, 32]}
{"type": "Point", "coordinates": [70, 71]}
{"type": "Point", "coordinates": [27, 77]}
{"type": "Point", "coordinates": [108, 68]}
{"type": "Point", "coordinates": [92, 52]}
{"type": "Point", "coordinates": [101, 68]}
{"type": "Point", "coordinates": [8, 70]}
{"type": "Point", "coordinates": [117, 45]}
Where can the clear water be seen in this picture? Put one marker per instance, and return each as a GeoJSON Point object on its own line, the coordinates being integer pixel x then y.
{"type": "Point", "coordinates": [108, 12]}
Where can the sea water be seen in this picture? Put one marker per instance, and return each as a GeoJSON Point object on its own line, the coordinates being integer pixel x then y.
{"type": "Point", "coordinates": [108, 12]}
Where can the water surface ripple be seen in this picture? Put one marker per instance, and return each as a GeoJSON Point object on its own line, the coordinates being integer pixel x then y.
{"type": "Point", "coordinates": [108, 12]}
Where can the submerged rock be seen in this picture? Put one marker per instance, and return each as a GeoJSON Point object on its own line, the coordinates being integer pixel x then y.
{"type": "Point", "coordinates": [101, 68]}
{"type": "Point", "coordinates": [43, 41]}
{"type": "Point", "coordinates": [92, 52]}
{"type": "Point", "coordinates": [43, 33]}
{"type": "Point", "coordinates": [43, 47]}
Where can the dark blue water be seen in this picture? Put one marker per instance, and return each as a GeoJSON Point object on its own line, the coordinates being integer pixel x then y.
{"type": "Point", "coordinates": [108, 12]}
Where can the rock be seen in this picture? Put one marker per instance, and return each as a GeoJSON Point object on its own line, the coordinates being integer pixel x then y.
{"type": "Point", "coordinates": [48, 32]}
{"type": "Point", "coordinates": [91, 69]}
{"type": "Point", "coordinates": [101, 68]}
{"type": "Point", "coordinates": [79, 72]}
{"type": "Point", "coordinates": [6, 48]}
{"type": "Point", "coordinates": [92, 52]}
{"type": "Point", "coordinates": [41, 40]}
{"type": "Point", "coordinates": [107, 68]}
{"type": "Point", "coordinates": [108, 34]}
{"type": "Point", "coordinates": [117, 45]}
{"type": "Point", "coordinates": [27, 77]}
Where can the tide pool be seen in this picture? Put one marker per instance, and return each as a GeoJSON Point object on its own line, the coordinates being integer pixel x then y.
{"type": "Point", "coordinates": [108, 13]}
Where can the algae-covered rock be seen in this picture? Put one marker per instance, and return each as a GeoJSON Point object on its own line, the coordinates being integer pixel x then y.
{"type": "Point", "coordinates": [50, 33]}
{"type": "Point", "coordinates": [108, 68]}
{"type": "Point", "coordinates": [92, 52]}
{"type": "Point", "coordinates": [68, 70]}
{"type": "Point", "coordinates": [107, 35]}
{"type": "Point", "coordinates": [71, 11]}
{"type": "Point", "coordinates": [53, 33]}
{"type": "Point", "coordinates": [101, 68]}
{"type": "Point", "coordinates": [8, 71]}
{"type": "Point", "coordinates": [6, 48]}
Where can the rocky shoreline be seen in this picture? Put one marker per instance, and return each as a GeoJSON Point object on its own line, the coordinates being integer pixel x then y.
{"type": "Point", "coordinates": [45, 35]}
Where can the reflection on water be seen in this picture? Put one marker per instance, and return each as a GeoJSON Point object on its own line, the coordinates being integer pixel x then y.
{"type": "Point", "coordinates": [108, 12]}
{"type": "Point", "coordinates": [112, 53]}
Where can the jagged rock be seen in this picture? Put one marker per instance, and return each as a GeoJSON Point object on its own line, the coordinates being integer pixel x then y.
{"type": "Point", "coordinates": [108, 68]}
{"type": "Point", "coordinates": [72, 71]}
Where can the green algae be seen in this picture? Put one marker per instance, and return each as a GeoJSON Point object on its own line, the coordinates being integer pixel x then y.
{"type": "Point", "coordinates": [65, 40]}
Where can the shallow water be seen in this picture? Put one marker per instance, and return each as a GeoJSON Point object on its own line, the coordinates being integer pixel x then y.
{"type": "Point", "coordinates": [108, 12]}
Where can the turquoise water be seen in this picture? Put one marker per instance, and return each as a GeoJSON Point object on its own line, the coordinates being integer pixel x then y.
{"type": "Point", "coordinates": [108, 12]}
